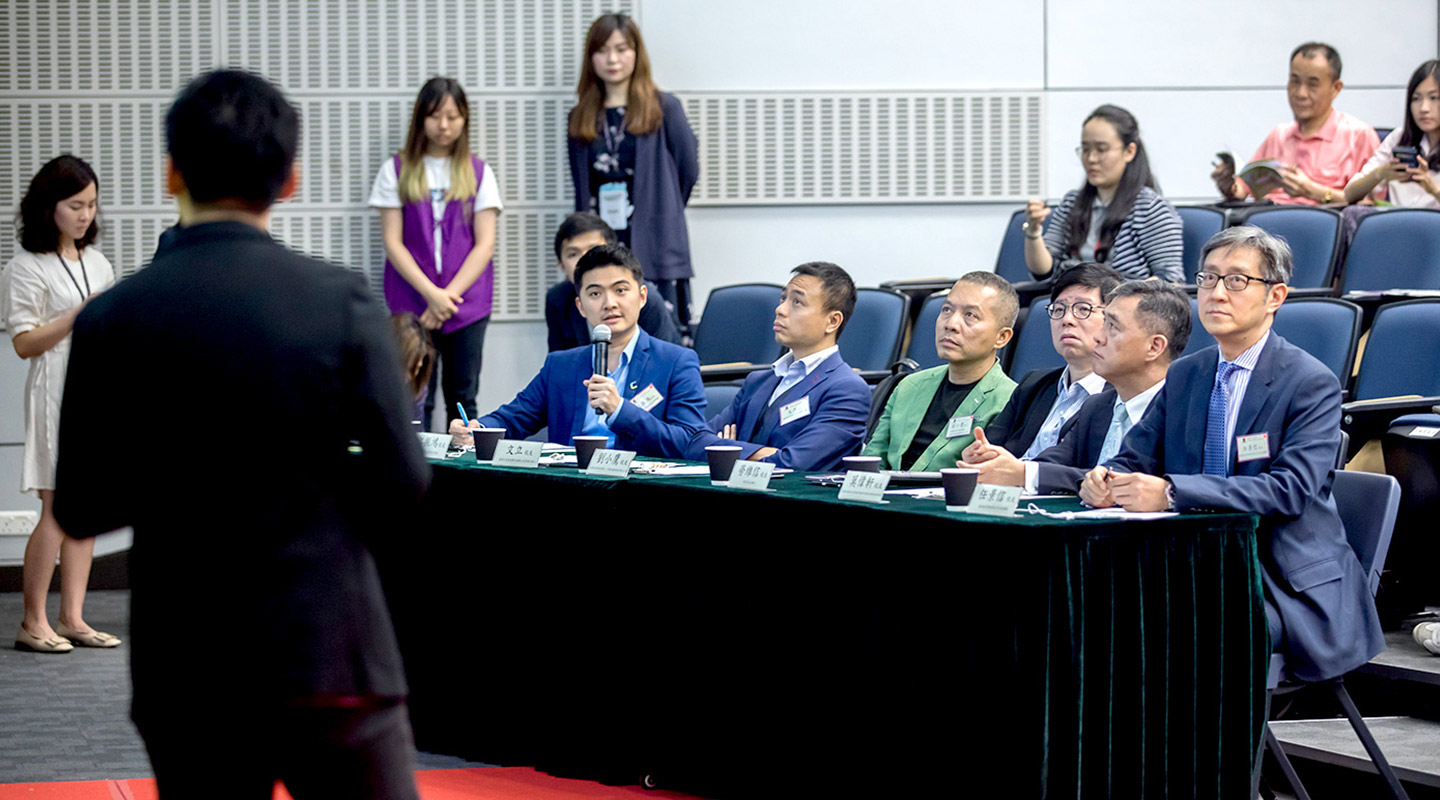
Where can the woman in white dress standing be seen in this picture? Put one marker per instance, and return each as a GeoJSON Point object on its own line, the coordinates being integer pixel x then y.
{"type": "Point", "coordinates": [44, 288]}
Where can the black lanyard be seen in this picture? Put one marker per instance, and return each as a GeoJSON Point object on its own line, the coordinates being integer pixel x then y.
{"type": "Point", "coordinates": [84, 293]}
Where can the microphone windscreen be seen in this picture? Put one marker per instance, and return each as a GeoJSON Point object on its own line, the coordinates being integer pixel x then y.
{"type": "Point", "coordinates": [601, 333]}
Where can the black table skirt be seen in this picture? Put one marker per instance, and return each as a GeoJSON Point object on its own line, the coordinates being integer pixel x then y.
{"type": "Point", "coordinates": [733, 643]}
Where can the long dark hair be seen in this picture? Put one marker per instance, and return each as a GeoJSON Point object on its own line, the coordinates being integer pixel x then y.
{"type": "Point", "coordinates": [62, 177]}
{"type": "Point", "coordinates": [411, 180]}
{"type": "Point", "coordinates": [642, 105]}
{"type": "Point", "coordinates": [1411, 135]}
{"type": "Point", "coordinates": [1136, 176]}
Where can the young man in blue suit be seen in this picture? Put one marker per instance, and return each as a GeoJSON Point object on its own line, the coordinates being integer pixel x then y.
{"type": "Point", "coordinates": [1254, 425]}
{"type": "Point", "coordinates": [1147, 324]}
{"type": "Point", "coordinates": [650, 398]}
{"type": "Point", "coordinates": [809, 409]}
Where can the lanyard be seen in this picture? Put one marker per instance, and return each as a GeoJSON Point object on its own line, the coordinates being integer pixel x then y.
{"type": "Point", "coordinates": [614, 136]}
{"type": "Point", "coordinates": [84, 293]}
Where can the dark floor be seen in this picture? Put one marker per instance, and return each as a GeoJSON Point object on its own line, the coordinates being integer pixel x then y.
{"type": "Point", "coordinates": [67, 717]}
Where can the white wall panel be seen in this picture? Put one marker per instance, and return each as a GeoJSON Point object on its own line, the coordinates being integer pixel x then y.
{"type": "Point", "coordinates": [1231, 43]}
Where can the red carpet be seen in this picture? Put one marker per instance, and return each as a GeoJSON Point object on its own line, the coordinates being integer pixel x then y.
{"type": "Point", "coordinates": [491, 783]}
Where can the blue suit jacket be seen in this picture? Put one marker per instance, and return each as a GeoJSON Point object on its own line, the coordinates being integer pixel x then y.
{"type": "Point", "coordinates": [1312, 578]}
{"type": "Point", "coordinates": [556, 397]}
{"type": "Point", "coordinates": [1062, 467]}
{"type": "Point", "coordinates": [835, 427]}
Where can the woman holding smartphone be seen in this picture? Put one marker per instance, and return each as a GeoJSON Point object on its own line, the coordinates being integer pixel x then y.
{"type": "Point", "coordinates": [1406, 166]}
{"type": "Point", "coordinates": [633, 157]}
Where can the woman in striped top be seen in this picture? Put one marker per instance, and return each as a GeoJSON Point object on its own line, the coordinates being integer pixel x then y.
{"type": "Point", "coordinates": [1117, 217]}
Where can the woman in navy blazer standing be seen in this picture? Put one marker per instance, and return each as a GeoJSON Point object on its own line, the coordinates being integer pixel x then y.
{"type": "Point", "coordinates": [633, 157]}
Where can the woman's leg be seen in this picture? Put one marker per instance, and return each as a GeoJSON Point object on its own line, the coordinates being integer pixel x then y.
{"type": "Point", "coordinates": [40, 552]}
{"type": "Point", "coordinates": [76, 556]}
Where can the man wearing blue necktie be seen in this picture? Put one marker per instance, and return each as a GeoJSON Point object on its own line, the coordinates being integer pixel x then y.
{"type": "Point", "coordinates": [1253, 425]}
{"type": "Point", "coordinates": [1147, 324]}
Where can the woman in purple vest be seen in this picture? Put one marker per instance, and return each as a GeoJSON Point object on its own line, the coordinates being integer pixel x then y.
{"type": "Point", "coordinates": [633, 157]}
{"type": "Point", "coordinates": [438, 205]}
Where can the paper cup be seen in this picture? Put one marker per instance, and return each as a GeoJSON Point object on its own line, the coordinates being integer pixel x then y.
{"type": "Point", "coordinates": [959, 485]}
{"type": "Point", "coordinates": [722, 458]}
{"type": "Point", "coordinates": [485, 441]}
{"type": "Point", "coordinates": [585, 447]}
{"type": "Point", "coordinates": [862, 463]}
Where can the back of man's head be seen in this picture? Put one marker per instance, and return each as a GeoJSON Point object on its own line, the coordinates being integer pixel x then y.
{"type": "Point", "coordinates": [1087, 274]}
{"type": "Point", "coordinates": [232, 137]}
{"type": "Point", "coordinates": [609, 255]}
{"type": "Point", "coordinates": [1006, 304]}
{"type": "Point", "coordinates": [1162, 309]}
{"type": "Point", "coordinates": [836, 288]}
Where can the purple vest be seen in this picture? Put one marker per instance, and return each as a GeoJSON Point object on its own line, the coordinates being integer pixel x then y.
{"type": "Point", "coordinates": [457, 239]}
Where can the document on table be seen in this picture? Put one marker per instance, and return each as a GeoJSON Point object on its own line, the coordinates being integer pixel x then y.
{"type": "Point", "coordinates": [1122, 514]}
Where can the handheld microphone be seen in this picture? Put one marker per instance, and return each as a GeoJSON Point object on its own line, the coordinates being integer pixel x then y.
{"type": "Point", "coordinates": [600, 353]}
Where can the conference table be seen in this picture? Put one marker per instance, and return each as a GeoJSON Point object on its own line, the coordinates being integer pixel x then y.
{"type": "Point", "coordinates": [739, 643]}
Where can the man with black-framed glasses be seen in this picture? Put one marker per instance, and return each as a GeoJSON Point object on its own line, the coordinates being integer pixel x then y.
{"type": "Point", "coordinates": [1253, 425]}
{"type": "Point", "coordinates": [1047, 399]}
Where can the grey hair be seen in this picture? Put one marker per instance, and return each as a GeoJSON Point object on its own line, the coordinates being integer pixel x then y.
{"type": "Point", "coordinates": [1163, 309]}
{"type": "Point", "coordinates": [1276, 262]}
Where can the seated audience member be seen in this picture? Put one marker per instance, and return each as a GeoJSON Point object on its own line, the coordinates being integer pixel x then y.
{"type": "Point", "coordinates": [930, 415]}
{"type": "Point", "coordinates": [1046, 399]}
{"type": "Point", "coordinates": [1253, 425]}
{"type": "Point", "coordinates": [1413, 186]}
{"type": "Point", "coordinates": [1117, 216]}
{"type": "Point", "coordinates": [1322, 149]}
{"type": "Point", "coordinates": [809, 409]}
{"type": "Point", "coordinates": [417, 358]}
{"type": "Point", "coordinates": [651, 399]}
{"type": "Point", "coordinates": [1147, 324]}
{"type": "Point", "coordinates": [565, 326]}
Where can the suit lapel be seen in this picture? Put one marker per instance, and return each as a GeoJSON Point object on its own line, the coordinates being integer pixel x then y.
{"type": "Point", "coordinates": [907, 423]}
{"type": "Point", "coordinates": [973, 402]}
{"type": "Point", "coordinates": [635, 374]}
{"type": "Point", "coordinates": [1257, 392]}
{"type": "Point", "coordinates": [794, 393]}
{"type": "Point", "coordinates": [750, 418]}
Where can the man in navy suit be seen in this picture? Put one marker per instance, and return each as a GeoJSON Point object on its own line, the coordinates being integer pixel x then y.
{"type": "Point", "coordinates": [809, 409]}
{"type": "Point", "coordinates": [650, 398]}
{"type": "Point", "coordinates": [566, 327]}
{"type": "Point", "coordinates": [1254, 425]}
{"type": "Point", "coordinates": [1147, 324]}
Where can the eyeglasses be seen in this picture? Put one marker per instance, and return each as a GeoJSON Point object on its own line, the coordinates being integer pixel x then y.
{"type": "Point", "coordinates": [1079, 310]}
{"type": "Point", "coordinates": [1097, 150]}
{"type": "Point", "coordinates": [1233, 283]}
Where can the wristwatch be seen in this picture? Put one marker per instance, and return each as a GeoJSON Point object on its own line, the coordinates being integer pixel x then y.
{"type": "Point", "coordinates": [1328, 197]}
{"type": "Point", "coordinates": [1169, 495]}
{"type": "Point", "coordinates": [1025, 226]}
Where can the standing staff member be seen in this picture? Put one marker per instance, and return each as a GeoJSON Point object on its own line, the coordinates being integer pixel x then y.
{"type": "Point", "coordinates": [45, 286]}
{"type": "Point", "coordinates": [633, 157]}
{"type": "Point", "coordinates": [438, 206]}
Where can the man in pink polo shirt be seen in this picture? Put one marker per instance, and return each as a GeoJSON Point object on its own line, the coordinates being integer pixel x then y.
{"type": "Point", "coordinates": [1322, 149]}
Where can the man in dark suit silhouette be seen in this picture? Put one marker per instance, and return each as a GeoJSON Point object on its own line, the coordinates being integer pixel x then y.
{"type": "Point", "coordinates": [1253, 424]}
{"type": "Point", "coordinates": [262, 647]}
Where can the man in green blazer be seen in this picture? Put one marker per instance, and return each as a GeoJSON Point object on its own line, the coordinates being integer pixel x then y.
{"type": "Point", "coordinates": [929, 418]}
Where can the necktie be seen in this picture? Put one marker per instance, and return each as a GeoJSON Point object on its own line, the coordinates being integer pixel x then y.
{"type": "Point", "coordinates": [1216, 462]}
{"type": "Point", "coordinates": [1119, 426]}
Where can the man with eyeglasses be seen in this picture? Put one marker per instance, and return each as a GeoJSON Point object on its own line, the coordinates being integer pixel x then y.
{"type": "Point", "coordinates": [1253, 425]}
{"type": "Point", "coordinates": [1047, 399]}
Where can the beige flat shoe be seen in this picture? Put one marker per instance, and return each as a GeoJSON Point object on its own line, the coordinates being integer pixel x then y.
{"type": "Point", "coordinates": [90, 638]}
{"type": "Point", "coordinates": [34, 644]}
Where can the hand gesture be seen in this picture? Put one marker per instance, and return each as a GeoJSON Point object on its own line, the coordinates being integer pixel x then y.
{"type": "Point", "coordinates": [979, 450]}
{"type": "Point", "coordinates": [440, 305]}
{"type": "Point", "coordinates": [1297, 184]}
{"type": "Point", "coordinates": [1422, 177]}
{"type": "Point", "coordinates": [1136, 491]}
{"type": "Point", "coordinates": [602, 394]}
{"type": "Point", "coordinates": [1095, 489]}
{"type": "Point", "coordinates": [1035, 213]}
{"type": "Point", "coordinates": [460, 432]}
{"type": "Point", "coordinates": [1224, 177]}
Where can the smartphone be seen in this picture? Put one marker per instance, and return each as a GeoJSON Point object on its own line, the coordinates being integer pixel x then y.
{"type": "Point", "coordinates": [1408, 156]}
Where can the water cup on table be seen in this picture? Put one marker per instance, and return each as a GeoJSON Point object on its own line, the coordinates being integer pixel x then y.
{"type": "Point", "coordinates": [722, 458]}
{"type": "Point", "coordinates": [862, 463]}
{"type": "Point", "coordinates": [585, 447]}
{"type": "Point", "coordinates": [485, 441]}
{"type": "Point", "coordinates": [959, 485]}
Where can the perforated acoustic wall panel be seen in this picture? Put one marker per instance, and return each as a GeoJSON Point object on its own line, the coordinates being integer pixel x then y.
{"type": "Point", "coordinates": [353, 67]}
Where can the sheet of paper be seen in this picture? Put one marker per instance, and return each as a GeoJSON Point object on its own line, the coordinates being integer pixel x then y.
{"type": "Point", "coordinates": [1120, 513]}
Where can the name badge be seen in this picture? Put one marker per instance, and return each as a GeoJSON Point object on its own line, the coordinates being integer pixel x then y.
{"type": "Point", "coordinates": [796, 410]}
{"type": "Point", "coordinates": [516, 453]}
{"type": "Point", "coordinates": [647, 399]}
{"type": "Point", "coordinates": [611, 464]}
{"type": "Point", "coordinates": [614, 205]}
{"type": "Point", "coordinates": [751, 475]}
{"type": "Point", "coordinates": [994, 501]}
{"type": "Point", "coordinates": [434, 444]}
{"type": "Point", "coordinates": [1249, 448]}
{"type": "Point", "coordinates": [959, 426]}
{"type": "Point", "coordinates": [867, 487]}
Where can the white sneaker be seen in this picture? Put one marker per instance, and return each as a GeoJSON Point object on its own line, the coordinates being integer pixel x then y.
{"type": "Point", "coordinates": [1427, 634]}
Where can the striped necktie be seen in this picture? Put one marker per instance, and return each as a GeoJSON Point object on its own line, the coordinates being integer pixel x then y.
{"type": "Point", "coordinates": [1216, 462]}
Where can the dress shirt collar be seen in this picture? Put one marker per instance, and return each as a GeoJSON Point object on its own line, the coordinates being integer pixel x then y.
{"type": "Point", "coordinates": [1135, 406]}
{"type": "Point", "coordinates": [1327, 131]}
{"type": "Point", "coordinates": [1093, 384]}
{"type": "Point", "coordinates": [809, 363]}
{"type": "Point", "coordinates": [1248, 359]}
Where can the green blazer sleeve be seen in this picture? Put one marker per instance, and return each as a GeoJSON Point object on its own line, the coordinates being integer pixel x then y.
{"type": "Point", "coordinates": [906, 408]}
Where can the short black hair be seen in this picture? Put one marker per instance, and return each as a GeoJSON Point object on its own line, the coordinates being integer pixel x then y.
{"type": "Point", "coordinates": [582, 222]}
{"type": "Point", "coordinates": [837, 289]}
{"type": "Point", "coordinates": [232, 135]}
{"type": "Point", "coordinates": [1088, 274]}
{"type": "Point", "coordinates": [1007, 302]}
{"type": "Point", "coordinates": [1332, 56]}
{"type": "Point", "coordinates": [61, 177]}
{"type": "Point", "coordinates": [1165, 309]}
{"type": "Point", "coordinates": [609, 255]}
